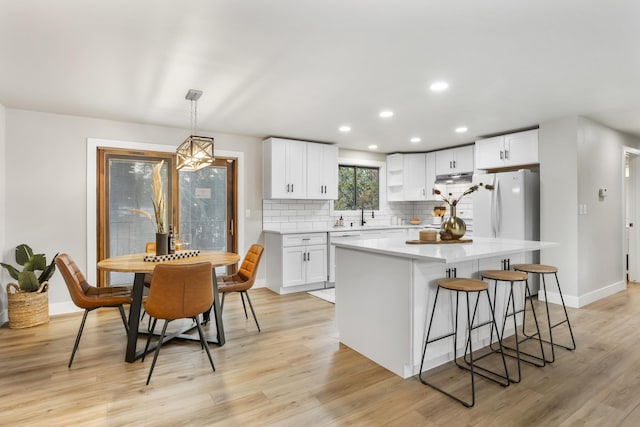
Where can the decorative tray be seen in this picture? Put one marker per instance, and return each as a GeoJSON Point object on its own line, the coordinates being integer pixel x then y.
{"type": "Point", "coordinates": [178, 255]}
{"type": "Point", "coordinates": [437, 242]}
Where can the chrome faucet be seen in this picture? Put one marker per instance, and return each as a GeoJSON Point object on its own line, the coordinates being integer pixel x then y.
{"type": "Point", "coordinates": [362, 221]}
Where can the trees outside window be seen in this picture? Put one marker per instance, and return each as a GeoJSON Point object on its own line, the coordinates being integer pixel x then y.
{"type": "Point", "coordinates": [358, 187]}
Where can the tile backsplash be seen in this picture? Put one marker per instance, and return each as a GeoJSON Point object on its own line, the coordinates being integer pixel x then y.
{"type": "Point", "coordinates": [319, 214]}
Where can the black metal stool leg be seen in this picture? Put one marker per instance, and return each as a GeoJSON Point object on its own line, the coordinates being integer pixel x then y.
{"type": "Point", "coordinates": [471, 368]}
{"type": "Point", "coordinates": [518, 341]}
{"type": "Point", "coordinates": [551, 341]}
{"type": "Point", "coordinates": [566, 316]}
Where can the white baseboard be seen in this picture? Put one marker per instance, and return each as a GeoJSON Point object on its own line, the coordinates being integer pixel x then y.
{"type": "Point", "coordinates": [583, 300]}
{"type": "Point", "coordinates": [62, 308]}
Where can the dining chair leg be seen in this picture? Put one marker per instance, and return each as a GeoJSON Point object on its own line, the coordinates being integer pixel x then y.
{"type": "Point", "coordinates": [155, 355]}
{"type": "Point", "coordinates": [243, 304]}
{"type": "Point", "coordinates": [146, 347]}
{"type": "Point", "coordinates": [203, 342]}
{"type": "Point", "coordinates": [251, 307]}
{"type": "Point", "coordinates": [124, 317]}
{"type": "Point", "coordinates": [75, 346]}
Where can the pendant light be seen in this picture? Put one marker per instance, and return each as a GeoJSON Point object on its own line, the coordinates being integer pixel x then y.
{"type": "Point", "coordinates": [196, 152]}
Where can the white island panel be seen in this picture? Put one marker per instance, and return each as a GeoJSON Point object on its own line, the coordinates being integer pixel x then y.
{"type": "Point", "coordinates": [385, 290]}
{"type": "Point", "coordinates": [375, 319]}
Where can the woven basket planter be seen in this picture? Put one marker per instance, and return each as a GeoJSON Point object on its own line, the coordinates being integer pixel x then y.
{"type": "Point", "coordinates": [27, 309]}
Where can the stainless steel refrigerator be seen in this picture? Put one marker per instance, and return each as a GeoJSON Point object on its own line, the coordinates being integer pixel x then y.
{"type": "Point", "coordinates": [511, 210]}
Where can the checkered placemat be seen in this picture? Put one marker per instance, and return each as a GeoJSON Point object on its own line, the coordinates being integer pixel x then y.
{"type": "Point", "coordinates": [178, 255]}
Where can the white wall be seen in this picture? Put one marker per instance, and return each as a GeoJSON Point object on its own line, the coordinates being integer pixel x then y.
{"type": "Point", "coordinates": [577, 157]}
{"type": "Point", "coordinates": [557, 146]}
{"type": "Point", "coordinates": [600, 165]}
{"type": "Point", "coordinates": [3, 203]}
{"type": "Point", "coordinates": [46, 205]}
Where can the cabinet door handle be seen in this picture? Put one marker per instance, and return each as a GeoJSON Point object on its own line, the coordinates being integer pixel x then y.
{"type": "Point", "coordinates": [450, 164]}
{"type": "Point", "coordinates": [448, 273]}
{"type": "Point", "coordinates": [292, 188]}
{"type": "Point", "coordinates": [308, 256]}
{"type": "Point", "coordinates": [506, 154]}
{"type": "Point", "coordinates": [455, 272]}
{"type": "Point", "coordinates": [306, 238]}
{"type": "Point", "coordinates": [304, 256]}
{"type": "Point", "coordinates": [454, 164]}
{"type": "Point", "coordinates": [501, 155]}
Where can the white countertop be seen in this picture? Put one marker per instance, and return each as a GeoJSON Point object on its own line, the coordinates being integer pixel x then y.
{"type": "Point", "coordinates": [481, 247]}
{"type": "Point", "coordinates": [343, 229]}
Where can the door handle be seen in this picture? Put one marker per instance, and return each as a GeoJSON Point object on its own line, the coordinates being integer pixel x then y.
{"type": "Point", "coordinates": [308, 256]}
{"type": "Point", "coordinates": [304, 256]}
{"type": "Point", "coordinates": [501, 155]}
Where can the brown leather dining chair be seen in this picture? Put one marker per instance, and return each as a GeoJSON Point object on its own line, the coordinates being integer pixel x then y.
{"type": "Point", "coordinates": [243, 280]}
{"type": "Point", "coordinates": [178, 292]}
{"type": "Point", "coordinates": [89, 297]}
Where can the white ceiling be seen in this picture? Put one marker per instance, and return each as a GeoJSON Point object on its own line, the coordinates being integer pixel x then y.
{"type": "Point", "coordinates": [302, 68]}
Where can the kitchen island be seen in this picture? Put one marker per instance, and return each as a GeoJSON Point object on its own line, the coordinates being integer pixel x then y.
{"type": "Point", "coordinates": [385, 290]}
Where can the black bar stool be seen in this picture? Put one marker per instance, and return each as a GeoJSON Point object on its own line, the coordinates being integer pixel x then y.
{"type": "Point", "coordinates": [513, 277]}
{"type": "Point", "coordinates": [543, 270]}
{"type": "Point", "coordinates": [466, 286]}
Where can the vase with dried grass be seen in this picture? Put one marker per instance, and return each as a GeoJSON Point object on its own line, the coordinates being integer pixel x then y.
{"type": "Point", "coordinates": [162, 238]}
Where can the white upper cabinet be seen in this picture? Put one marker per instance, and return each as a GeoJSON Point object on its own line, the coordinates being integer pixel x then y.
{"type": "Point", "coordinates": [516, 149]}
{"type": "Point", "coordinates": [430, 176]}
{"type": "Point", "coordinates": [414, 176]}
{"type": "Point", "coordinates": [284, 169]}
{"type": "Point", "coordinates": [454, 160]}
{"type": "Point", "coordinates": [322, 171]}
{"type": "Point", "coordinates": [299, 169]}
{"type": "Point", "coordinates": [410, 177]}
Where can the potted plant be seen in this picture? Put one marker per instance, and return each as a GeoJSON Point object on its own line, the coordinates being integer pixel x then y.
{"type": "Point", "coordinates": [28, 300]}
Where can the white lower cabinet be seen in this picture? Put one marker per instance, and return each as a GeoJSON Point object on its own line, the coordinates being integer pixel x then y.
{"type": "Point", "coordinates": [304, 264]}
{"type": "Point", "coordinates": [296, 262]}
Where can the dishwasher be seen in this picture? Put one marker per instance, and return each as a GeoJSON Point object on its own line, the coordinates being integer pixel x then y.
{"type": "Point", "coordinates": [333, 237]}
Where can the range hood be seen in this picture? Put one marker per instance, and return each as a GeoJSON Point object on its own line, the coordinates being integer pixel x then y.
{"type": "Point", "coordinates": [454, 178]}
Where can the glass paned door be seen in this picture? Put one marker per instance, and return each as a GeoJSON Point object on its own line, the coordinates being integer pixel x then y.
{"type": "Point", "coordinates": [127, 219]}
{"type": "Point", "coordinates": [201, 205]}
{"type": "Point", "coordinates": [207, 204]}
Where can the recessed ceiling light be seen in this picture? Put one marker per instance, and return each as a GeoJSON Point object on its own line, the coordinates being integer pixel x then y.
{"type": "Point", "coordinates": [439, 86]}
{"type": "Point", "coordinates": [386, 113]}
{"type": "Point", "coordinates": [415, 140]}
{"type": "Point", "coordinates": [344, 128]}
{"type": "Point", "coordinates": [461, 129]}
{"type": "Point", "coordinates": [373, 147]}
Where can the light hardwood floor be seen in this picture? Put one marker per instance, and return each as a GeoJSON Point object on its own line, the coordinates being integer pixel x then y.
{"type": "Point", "coordinates": [296, 373]}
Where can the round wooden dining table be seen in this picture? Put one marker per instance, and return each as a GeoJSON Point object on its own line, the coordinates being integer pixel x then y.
{"type": "Point", "coordinates": [135, 263]}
